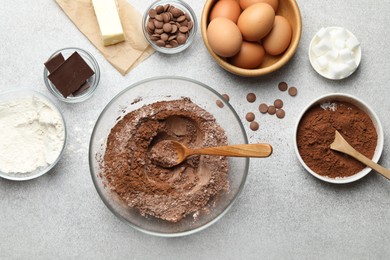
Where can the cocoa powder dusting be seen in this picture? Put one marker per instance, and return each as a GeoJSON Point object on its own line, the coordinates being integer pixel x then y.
{"type": "Point", "coordinates": [167, 193]}
{"type": "Point", "coordinates": [316, 132]}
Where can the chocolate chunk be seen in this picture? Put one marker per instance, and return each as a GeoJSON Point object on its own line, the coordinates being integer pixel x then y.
{"type": "Point", "coordinates": [83, 87]}
{"type": "Point", "coordinates": [52, 64]}
{"type": "Point", "coordinates": [71, 74]}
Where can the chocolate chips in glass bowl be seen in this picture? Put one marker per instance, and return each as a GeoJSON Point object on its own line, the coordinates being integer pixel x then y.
{"type": "Point", "coordinates": [169, 26]}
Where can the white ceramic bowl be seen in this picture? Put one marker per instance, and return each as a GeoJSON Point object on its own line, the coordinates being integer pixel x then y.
{"type": "Point", "coordinates": [363, 106]}
{"type": "Point", "coordinates": [325, 73]}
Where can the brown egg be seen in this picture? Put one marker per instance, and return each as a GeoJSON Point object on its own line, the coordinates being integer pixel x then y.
{"type": "Point", "coordinates": [227, 8]}
{"type": "Point", "coordinates": [278, 40]}
{"type": "Point", "coordinates": [246, 3]}
{"type": "Point", "coordinates": [256, 21]}
{"type": "Point", "coordinates": [251, 55]}
{"type": "Point", "coordinates": [224, 37]}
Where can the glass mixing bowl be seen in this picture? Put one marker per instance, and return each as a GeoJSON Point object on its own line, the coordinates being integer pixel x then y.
{"type": "Point", "coordinates": [163, 89]}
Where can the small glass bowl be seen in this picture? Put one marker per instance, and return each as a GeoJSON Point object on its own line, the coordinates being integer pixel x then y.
{"type": "Point", "coordinates": [187, 10]}
{"type": "Point", "coordinates": [365, 108]}
{"type": "Point", "coordinates": [26, 93]}
{"type": "Point", "coordinates": [92, 81]}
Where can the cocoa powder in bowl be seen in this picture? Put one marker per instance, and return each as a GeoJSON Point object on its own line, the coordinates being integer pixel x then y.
{"type": "Point", "coordinates": [165, 193]}
{"type": "Point", "coordinates": [316, 131]}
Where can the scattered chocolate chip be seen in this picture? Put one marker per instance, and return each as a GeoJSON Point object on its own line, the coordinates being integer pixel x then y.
{"type": "Point", "coordinates": [254, 126]}
{"type": "Point", "coordinates": [280, 113]}
{"type": "Point", "coordinates": [263, 108]}
{"type": "Point", "coordinates": [278, 103]}
{"type": "Point", "coordinates": [293, 91]}
{"type": "Point", "coordinates": [226, 97]}
{"type": "Point", "coordinates": [283, 86]}
{"type": "Point", "coordinates": [271, 110]}
{"type": "Point", "coordinates": [250, 117]}
{"type": "Point", "coordinates": [251, 97]}
{"type": "Point", "coordinates": [219, 103]}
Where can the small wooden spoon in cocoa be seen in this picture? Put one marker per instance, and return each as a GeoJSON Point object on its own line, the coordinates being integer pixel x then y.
{"type": "Point", "coordinates": [341, 145]}
{"type": "Point", "coordinates": [168, 153]}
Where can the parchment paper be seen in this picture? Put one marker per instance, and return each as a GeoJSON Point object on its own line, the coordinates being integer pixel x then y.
{"type": "Point", "coordinates": [123, 56]}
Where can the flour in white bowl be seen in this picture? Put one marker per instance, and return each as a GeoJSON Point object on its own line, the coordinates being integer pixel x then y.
{"type": "Point", "coordinates": [32, 134]}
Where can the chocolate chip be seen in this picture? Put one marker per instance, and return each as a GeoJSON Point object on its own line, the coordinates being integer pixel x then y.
{"type": "Point", "coordinates": [219, 103]}
{"type": "Point", "coordinates": [164, 37]}
{"type": "Point", "coordinates": [152, 13]}
{"type": "Point", "coordinates": [254, 126]}
{"type": "Point", "coordinates": [159, 18]}
{"type": "Point", "coordinates": [271, 110]}
{"type": "Point", "coordinates": [278, 103]}
{"type": "Point", "coordinates": [226, 97]}
{"type": "Point", "coordinates": [293, 91]}
{"type": "Point", "coordinates": [160, 43]}
{"type": "Point", "coordinates": [181, 39]}
{"type": "Point", "coordinates": [159, 9]}
{"type": "Point", "coordinates": [263, 108]}
{"type": "Point", "coordinates": [167, 27]}
{"type": "Point", "coordinates": [250, 116]}
{"type": "Point", "coordinates": [181, 18]}
{"type": "Point", "coordinates": [283, 86]}
{"type": "Point", "coordinates": [280, 113]}
{"type": "Point", "coordinates": [251, 97]}
{"type": "Point", "coordinates": [174, 29]}
{"type": "Point", "coordinates": [183, 29]}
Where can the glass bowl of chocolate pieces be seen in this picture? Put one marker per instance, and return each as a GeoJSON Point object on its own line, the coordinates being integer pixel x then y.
{"type": "Point", "coordinates": [169, 26]}
{"type": "Point", "coordinates": [71, 75]}
{"type": "Point", "coordinates": [315, 132]}
{"type": "Point", "coordinates": [153, 198]}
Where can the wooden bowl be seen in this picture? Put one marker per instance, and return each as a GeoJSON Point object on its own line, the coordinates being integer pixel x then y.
{"type": "Point", "coordinates": [288, 9]}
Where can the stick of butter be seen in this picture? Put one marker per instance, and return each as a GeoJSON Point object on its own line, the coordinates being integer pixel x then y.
{"type": "Point", "coordinates": [109, 22]}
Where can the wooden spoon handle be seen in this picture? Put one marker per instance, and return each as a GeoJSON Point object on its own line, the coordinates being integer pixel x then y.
{"type": "Point", "coordinates": [360, 157]}
{"type": "Point", "coordinates": [240, 150]}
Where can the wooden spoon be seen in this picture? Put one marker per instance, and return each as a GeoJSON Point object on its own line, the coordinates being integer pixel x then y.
{"type": "Point", "coordinates": [168, 153]}
{"type": "Point", "coordinates": [341, 145]}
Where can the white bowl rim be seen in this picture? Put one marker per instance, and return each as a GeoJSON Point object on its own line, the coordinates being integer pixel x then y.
{"type": "Point", "coordinates": [325, 75]}
{"type": "Point", "coordinates": [375, 120]}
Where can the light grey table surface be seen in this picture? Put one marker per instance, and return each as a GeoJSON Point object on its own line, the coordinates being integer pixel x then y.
{"type": "Point", "coordinates": [283, 212]}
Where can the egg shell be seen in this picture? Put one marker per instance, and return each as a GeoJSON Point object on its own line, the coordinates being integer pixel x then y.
{"type": "Point", "coordinates": [278, 40]}
{"type": "Point", "coordinates": [251, 55]}
{"type": "Point", "coordinates": [224, 37]}
{"type": "Point", "coordinates": [246, 3]}
{"type": "Point", "coordinates": [227, 8]}
{"type": "Point", "coordinates": [256, 21]}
